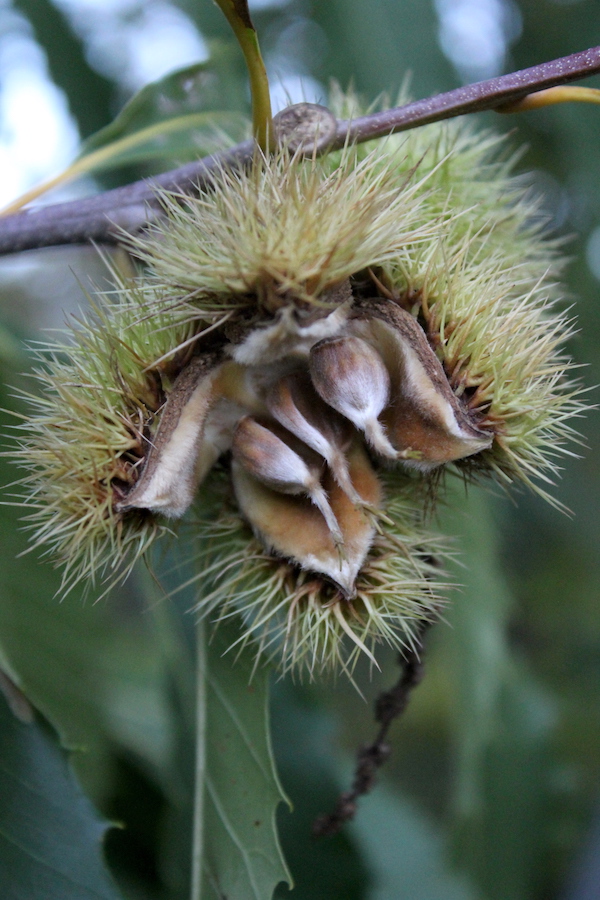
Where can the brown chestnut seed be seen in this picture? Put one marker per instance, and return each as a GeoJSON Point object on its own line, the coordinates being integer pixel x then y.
{"type": "Point", "coordinates": [272, 461]}
{"type": "Point", "coordinates": [350, 376]}
{"type": "Point", "coordinates": [169, 478]}
{"type": "Point", "coordinates": [292, 527]}
{"type": "Point", "coordinates": [424, 417]}
{"type": "Point", "coordinates": [295, 404]}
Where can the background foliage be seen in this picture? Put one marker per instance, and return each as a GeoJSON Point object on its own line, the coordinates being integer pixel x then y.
{"type": "Point", "coordinates": [495, 774]}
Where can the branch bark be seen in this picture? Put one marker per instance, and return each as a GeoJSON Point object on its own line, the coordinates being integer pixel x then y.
{"type": "Point", "coordinates": [136, 205]}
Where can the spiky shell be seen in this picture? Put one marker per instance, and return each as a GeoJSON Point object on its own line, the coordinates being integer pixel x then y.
{"type": "Point", "coordinates": [300, 622]}
{"type": "Point", "coordinates": [256, 272]}
{"type": "Point", "coordinates": [87, 434]}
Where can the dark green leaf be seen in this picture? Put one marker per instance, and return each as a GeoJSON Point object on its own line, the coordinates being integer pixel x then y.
{"type": "Point", "coordinates": [96, 671]}
{"type": "Point", "coordinates": [50, 836]}
{"type": "Point", "coordinates": [405, 850]}
{"type": "Point", "coordinates": [308, 758]}
{"type": "Point", "coordinates": [502, 722]}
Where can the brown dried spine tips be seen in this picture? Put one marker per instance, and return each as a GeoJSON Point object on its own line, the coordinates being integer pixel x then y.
{"type": "Point", "coordinates": [271, 461]}
{"type": "Point", "coordinates": [351, 377]}
{"type": "Point", "coordinates": [294, 403]}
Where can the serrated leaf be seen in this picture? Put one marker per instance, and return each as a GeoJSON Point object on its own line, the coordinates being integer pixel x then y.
{"type": "Point", "coordinates": [50, 835]}
{"type": "Point", "coordinates": [242, 858]}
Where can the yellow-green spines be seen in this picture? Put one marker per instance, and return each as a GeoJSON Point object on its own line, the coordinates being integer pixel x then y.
{"type": "Point", "coordinates": [423, 242]}
{"type": "Point", "coordinates": [285, 227]}
{"type": "Point", "coordinates": [437, 213]}
{"type": "Point", "coordinates": [86, 436]}
{"type": "Point", "coordinates": [299, 621]}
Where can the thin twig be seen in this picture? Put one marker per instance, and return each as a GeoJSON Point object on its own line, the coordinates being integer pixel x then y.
{"type": "Point", "coordinates": [484, 95]}
{"type": "Point", "coordinates": [135, 205]}
{"type": "Point", "coordinates": [388, 707]}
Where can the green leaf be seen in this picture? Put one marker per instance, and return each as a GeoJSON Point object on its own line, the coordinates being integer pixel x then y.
{"type": "Point", "coordinates": [183, 114]}
{"type": "Point", "coordinates": [11, 350]}
{"type": "Point", "coordinates": [404, 848]}
{"type": "Point", "coordinates": [241, 856]}
{"type": "Point", "coordinates": [186, 115]}
{"type": "Point", "coordinates": [96, 671]}
{"type": "Point", "coordinates": [503, 725]}
{"type": "Point", "coordinates": [50, 836]}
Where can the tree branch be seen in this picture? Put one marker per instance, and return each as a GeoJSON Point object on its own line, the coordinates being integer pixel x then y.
{"type": "Point", "coordinates": [135, 205]}
{"type": "Point", "coordinates": [484, 95]}
{"type": "Point", "coordinates": [99, 218]}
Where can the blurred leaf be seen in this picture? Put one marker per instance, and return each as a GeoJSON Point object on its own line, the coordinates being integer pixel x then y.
{"type": "Point", "coordinates": [50, 836]}
{"type": "Point", "coordinates": [97, 671]}
{"type": "Point", "coordinates": [374, 45]}
{"type": "Point", "coordinates": [309, 763]}
{"type": "Point", "coordinates": [242, 857]}
{"type": "Point", "coordinates": [201, 99]}
{"type": "Point", "coordinates": [406, 851]}
{"type": "Point", "coordinates": [182, 116]}
{"type": "Point", "coordinates": [503, 722]}
{"type": "Point", "coordinates": [393, 850]}
{"type": "Point", "coordinates": [11, 350]}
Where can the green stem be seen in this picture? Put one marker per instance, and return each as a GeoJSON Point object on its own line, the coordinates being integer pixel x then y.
{"type": "Point", "coordinates": [261, 97]}
{"type": "Point", "coordinates": [237, 15]}
{"type": "Point", "coordinates": [200, 769]}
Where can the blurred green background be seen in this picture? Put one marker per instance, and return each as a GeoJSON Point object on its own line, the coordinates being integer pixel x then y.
{"type": "Point", "coordinates": [493, 788]}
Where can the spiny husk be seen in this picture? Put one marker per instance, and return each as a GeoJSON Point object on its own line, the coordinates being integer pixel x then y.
{"type": "Point", "coordinates": [302, 622]}
{"type": "Point", "coordinates": [453, 235]}
{"type": "Point", "coordinates": [431, 219]}
{"type": "Point", "coordinates": [289, 227]}
{"type": "Point", "coordinates": [486, 292]}
{"type": "Point", "coordinates": [88, 435]}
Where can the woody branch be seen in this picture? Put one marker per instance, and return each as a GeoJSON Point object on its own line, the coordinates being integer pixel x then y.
{"type": "Point", "coordinates": [135, 205]}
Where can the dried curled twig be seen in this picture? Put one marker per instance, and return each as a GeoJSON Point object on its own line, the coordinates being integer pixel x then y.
{"type": "Point", "coordinates": [136, 205]}
{"type": "Point", "coordinates": [388, 707]}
